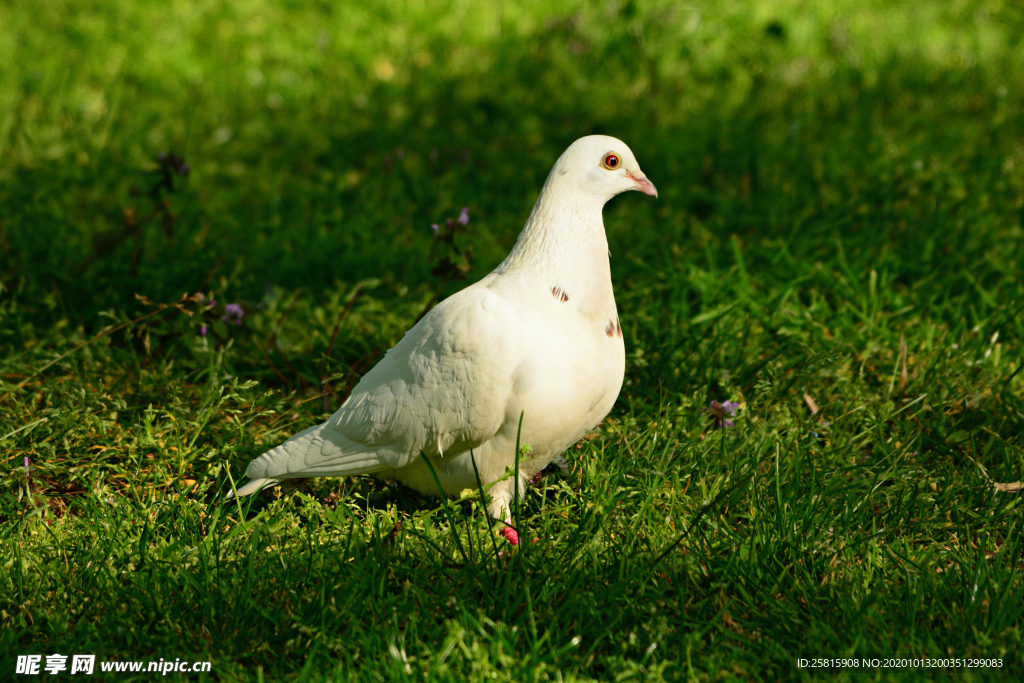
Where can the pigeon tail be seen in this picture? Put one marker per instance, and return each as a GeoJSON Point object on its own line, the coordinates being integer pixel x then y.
{"type": "Point", "coordinates": [307, 455]}
{"type": "Point", "coordinates": [251, 487]}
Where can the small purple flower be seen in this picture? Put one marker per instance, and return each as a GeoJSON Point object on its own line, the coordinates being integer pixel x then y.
{"type": "Point", "coordinates": [435, 227]}
{"type": "Point", "coordinates": [203, 330]}
{"type": "Point", "coordinates": [213, 302]}
{"type": "Point", "coordinates": [26, 464]}
{"type": "Point", "coordinates": [720, 410]}
{"type": "Point", "coordinates": [235, 312]}
{"type": "Point", "coordinates": [464, 216]}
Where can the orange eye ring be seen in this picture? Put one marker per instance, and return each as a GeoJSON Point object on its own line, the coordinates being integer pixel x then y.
{"type": "Point", "coordinates": [611, 161]}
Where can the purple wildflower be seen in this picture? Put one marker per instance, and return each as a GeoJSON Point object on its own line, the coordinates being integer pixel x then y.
{"type": "Point", "coordinates": [464, 216]}
{"type": "Point", "coordinates": [233, 311]}
{"type": "Point", "coordinates": [720, 410]}
{"type": "Point", "coordinates": [203, 330]}
{"type": "Point", "coordinates": [435, 227]}
{"type": "Point", "coordinates": [26, 464]}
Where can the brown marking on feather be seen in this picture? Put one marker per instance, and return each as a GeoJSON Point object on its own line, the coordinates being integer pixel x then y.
{"type": "Point", "coordinates": [610, 330]}
{"type": "Point", "coordinates": [618, 327]}
{"type": "Point", "coordinates": [559, 294]}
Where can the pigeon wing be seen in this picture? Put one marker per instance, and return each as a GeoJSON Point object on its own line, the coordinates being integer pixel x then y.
{"type": "Point", "coordinates": [444, 387]}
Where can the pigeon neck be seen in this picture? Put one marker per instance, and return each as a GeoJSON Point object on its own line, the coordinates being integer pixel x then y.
{"type": "Point", "coordinates": [563, 238]}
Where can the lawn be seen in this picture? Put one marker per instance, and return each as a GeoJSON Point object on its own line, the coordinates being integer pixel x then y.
{"type": "Point", "coordinates": [836, 247]}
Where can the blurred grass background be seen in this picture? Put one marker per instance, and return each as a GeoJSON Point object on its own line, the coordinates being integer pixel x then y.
{"type": "Point", "coordinates": [841, 197]}
{"type": "Point", "coordinates": [756, 116]}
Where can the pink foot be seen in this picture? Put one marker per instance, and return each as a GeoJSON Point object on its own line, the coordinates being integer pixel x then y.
{"type": "Point", "coordinates": [510, 534]}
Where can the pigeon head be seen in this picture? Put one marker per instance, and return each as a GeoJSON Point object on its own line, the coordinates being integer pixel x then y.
{"type": "Point", "coordinates": [603, 166]}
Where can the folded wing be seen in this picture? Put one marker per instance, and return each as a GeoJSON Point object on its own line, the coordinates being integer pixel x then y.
{"type": "Point", "coordinates": [444, 387]}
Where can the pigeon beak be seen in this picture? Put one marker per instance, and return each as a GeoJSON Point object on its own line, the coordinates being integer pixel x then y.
{"type": "Point", "coordinates": [642, 183]}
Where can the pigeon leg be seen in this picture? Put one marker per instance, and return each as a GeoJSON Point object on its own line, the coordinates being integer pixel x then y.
{"type": "Point", "coordinates": [500, 506]}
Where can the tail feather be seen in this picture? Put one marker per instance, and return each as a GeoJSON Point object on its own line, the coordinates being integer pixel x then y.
{"type": "Point", "coordinates": [307, 454]}
{"type": "Point", "coordinates": [275, 462]}
{"type": "Point", "coordinates": [251, 487]}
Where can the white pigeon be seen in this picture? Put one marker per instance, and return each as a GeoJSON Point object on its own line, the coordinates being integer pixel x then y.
{"type": "Point", "coordinates": [538, 337]}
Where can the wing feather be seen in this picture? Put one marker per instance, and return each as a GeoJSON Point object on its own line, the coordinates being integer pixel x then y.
{"type": "Point", "coordinates": [444, 387]}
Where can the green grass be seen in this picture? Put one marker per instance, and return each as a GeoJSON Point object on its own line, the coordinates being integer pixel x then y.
{"type": "Point", "coordinates": [842, 192]}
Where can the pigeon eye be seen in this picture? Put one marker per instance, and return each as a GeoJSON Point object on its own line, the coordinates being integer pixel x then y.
{"type": "Point", "coordinates": [610, 161]}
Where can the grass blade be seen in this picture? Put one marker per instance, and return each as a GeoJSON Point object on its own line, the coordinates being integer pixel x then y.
{"type": "Point", "coordinates": [447, 510]}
